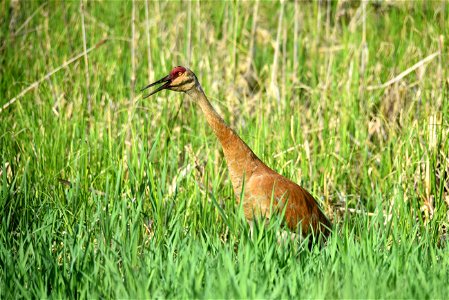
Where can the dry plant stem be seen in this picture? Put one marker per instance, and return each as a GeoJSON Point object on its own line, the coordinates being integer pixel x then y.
{"type": "Point", "coordinates": [363, 52]}
{"type": "Point", "coordinates": [48, 75]}
{"type": "Point", "coordinates": [189, 32]}
{"type": "Point", "coordinates": [251, 50]}
{"type": "Point", "coordinates": [440, 67]}
{"type": "Point", "coordinates": [133, 50]}
{"type": "Point", "coordinates": [198, 15]}
{"type": "Point", "coordinates": [147, 29]}
{"type": "Point", "coordinates": [284, 64]}
{"type": "Point", "coordinates": [330, 62]}
{"type": "Point", "coordinates": [295, 43]}
{"type": "Point", "coordinates": [97, 22]}
{"type": "Point", "coordinates": [86, 61]}
{"type": "Point", "coordinates": [133, 69]}
{"type": "Point", "coordinates": [234, 49]}
{"type": "Point", "coordinates": [46, 50]}
{"type": "Point", "coordinates": [318, 22]}
{"type": "Point", "coordinates": [29, 19]}
{"type": "Point", "coordinates": [224, 28]}
{"type": "Point", "coordinates": [328, 19]}
{"type": "Point", "coordinates": [405, 73]}
{"type": "Point", "coordinates": [274, 70]}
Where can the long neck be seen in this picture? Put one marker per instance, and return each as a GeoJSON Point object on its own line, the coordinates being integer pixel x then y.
{"type": "Point", "coordinates": [242, 161]}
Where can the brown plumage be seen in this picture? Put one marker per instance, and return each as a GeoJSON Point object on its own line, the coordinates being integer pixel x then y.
{"type": "Point", "coordinates": [265, 191]}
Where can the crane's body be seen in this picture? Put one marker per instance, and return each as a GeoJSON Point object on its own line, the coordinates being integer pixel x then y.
{"type": "Point", "coordinates": [264, 191]}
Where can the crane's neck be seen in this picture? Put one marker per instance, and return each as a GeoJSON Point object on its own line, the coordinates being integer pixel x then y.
{"type": "Point", "coordinates": [242, 162]}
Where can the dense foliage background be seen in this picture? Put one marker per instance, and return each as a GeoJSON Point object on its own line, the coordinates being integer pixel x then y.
{"type": "Point", "coordinates": [104, 194]}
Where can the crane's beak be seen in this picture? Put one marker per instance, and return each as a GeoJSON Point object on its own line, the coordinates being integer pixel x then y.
{"type": "Point", "coordinates": [167, 81]}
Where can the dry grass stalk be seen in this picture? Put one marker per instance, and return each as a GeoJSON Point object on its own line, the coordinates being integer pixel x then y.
{"type": "Point", "coordinates": [86, 61]}
{"type": "Point", "coordinates": [48, 75]}
{"type": "Point", "coordinates": [274, 88]}
{"type": "Point", "coordinates": [133, 73]}
{"type": "Point", "coordinates": [189, 33]}
{"type": "Point", "coordinates": [405, 73]}
{"type": "Point", "coordinates": [364, 51]}
{"type": "Point", "coordinates": [29, 18]}
{"type": "Point", "coordinates": [147, 29]}
{"type": "Point", "coordinates": [295, 43]}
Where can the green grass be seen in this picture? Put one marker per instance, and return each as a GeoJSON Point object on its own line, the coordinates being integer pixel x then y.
{"type": "Point", "coordinates": [150, 211]}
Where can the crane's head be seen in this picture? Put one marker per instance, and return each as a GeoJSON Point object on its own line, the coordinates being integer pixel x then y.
{"type": "Point", "coordinates": [180, 79]}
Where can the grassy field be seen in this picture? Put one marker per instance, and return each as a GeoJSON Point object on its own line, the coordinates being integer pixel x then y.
{"type": "Point", "coordinates": [104, 194]}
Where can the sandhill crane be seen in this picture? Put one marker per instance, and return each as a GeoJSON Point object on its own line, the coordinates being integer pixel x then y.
{"type": "Point", "coordinates": [264, 191]}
